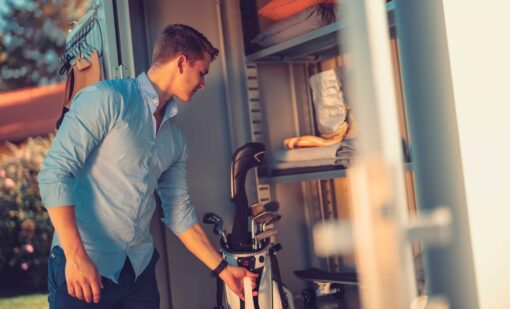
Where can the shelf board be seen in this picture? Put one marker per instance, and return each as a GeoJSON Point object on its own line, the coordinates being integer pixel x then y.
{"type": "Point", "coordinates": [338, 173]}
{"type": "Point", "coordinates": [312, 46]}
{"type": "Point", "coordinates": [309, 45]}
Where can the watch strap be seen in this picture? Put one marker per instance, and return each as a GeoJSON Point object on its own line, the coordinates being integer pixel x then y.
{"type": "Point", "coordinates": [216, 272]}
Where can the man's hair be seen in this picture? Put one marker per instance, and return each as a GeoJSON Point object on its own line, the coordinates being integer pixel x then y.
{"type": "Point", "coordinates": [178, 39]}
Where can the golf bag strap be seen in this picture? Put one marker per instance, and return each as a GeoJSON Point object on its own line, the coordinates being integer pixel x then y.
{"type": "Point", "coordinates": [219, 294]}
{"type": "Point", "coordinates": [276, 275]}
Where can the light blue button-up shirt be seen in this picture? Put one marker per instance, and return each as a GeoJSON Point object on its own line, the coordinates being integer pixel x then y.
{"type": "Point", "coordinates": [107, 161]}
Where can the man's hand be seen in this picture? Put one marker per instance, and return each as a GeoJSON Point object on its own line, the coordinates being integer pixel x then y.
{"type": "Point", "coordinates": [197, 242]}
{"type": "Point", "coordinates": [233, 278]}
{"type": "Point", "coordinates": [83, 279]}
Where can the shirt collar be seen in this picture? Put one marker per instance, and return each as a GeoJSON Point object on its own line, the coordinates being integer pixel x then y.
{"type": "Point", "coordinates": [150, 97]}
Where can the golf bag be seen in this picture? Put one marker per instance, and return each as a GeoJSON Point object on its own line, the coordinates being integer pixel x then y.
{"type": "Point", "coordinates": [269, 284]}
{"type": "Point", "coordinates": [254, 253]}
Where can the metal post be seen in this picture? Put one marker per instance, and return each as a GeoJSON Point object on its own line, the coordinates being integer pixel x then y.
{"type": "Point", "coordinates": [436, 152]}
{"type": "Point", "coordinates": [383, 256]}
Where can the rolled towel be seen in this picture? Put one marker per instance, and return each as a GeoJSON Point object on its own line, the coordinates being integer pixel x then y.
{"type": "Point", "coordinates": [346, 152]}
{"type": "Point", "coordinates": [304, 163]}
{"type": "Point", "coordinates": [305, 154]}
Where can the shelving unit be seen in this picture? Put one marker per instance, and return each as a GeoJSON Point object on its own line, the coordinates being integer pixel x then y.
{"type": "Point", "coordinates": [313, 46]}
{"type": "Point", "coordinates": [326, 175]}
{"type": "Point", "coordinates": [280, 106]}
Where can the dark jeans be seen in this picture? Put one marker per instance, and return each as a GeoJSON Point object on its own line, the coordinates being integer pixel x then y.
{"type": "Point", "coordinates": [127, 294]}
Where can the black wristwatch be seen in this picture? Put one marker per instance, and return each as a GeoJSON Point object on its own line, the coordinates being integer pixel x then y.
{"type": "Point", "coordinates": [216, 272]}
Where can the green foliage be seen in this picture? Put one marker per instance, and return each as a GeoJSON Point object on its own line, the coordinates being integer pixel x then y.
{"type": "Point", "coordinates": [36, 301]}
{"type": "Point", "coordinates": [25, 229]}
{"type": "Point", "coordinates": [32, 38]}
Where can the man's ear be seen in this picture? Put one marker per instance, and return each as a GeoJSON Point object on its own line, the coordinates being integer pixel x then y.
{"type": "Point", "coordinates": [180, 61]}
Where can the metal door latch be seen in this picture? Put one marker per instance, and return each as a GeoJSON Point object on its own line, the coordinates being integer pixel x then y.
{"type": "Point", "coordinates": [431, 228]}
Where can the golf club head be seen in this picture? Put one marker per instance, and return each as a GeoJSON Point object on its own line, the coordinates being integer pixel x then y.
{"type": "Point", "coordinates": [259, 208]}
{"type": "Point", "coordinates": [267, 216]}
{"type": "Point", "coordinates": [217, 228]}
{"type": "Point", "coordinates": [269, 221]}
{"type": "Point", "coordinates": [266, 234]}
{"type": "Point", "coordinates": [256, 209]}
{"type": "Point", "coordinates": [211, 218]}
{"type": "Point", "coordinates": [272, 206]}
{"type": "Point", "coordinates": [273, 219]}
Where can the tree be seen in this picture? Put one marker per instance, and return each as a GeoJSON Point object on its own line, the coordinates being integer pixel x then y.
{"type": "Point", "coordinates": [32, 39]}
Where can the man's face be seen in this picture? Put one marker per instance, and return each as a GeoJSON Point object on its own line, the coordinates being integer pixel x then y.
{"type": "Point", "coordinates": [192, 77]}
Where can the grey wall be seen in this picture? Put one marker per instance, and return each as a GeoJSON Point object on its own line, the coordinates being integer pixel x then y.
{"type": "Point", "coordinates": [204, 121]}
{"type": "Point", "coordinates": [215, 123]}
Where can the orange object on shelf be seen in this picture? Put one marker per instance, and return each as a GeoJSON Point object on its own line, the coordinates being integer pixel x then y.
{"type": "Point", "coordinates": [316, 141]}
{"type": "Point", "coordinates": [281, 9]}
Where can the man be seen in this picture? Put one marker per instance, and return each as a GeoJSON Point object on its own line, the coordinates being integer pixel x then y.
{"type": "Point", "coordinates": [117, 145]}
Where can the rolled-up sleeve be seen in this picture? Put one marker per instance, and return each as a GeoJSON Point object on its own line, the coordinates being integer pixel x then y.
{"type": "Point", "coordinates": [178, 213]}
{"type": "Point", "coordinates": [92, 115]}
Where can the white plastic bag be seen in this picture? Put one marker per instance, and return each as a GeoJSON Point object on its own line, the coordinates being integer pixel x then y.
{"type": "Point", "coordinates": [328, 99]}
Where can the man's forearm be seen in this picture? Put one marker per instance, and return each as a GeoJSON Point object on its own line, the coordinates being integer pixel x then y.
{"type": "Point", "coordinates": [64, 220]}
{"type": "Point", "coordinates": [197, 242]}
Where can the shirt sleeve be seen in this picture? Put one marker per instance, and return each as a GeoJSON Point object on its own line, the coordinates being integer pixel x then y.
{"type": "Point", "coordinates": [178, 213]}
{"type": "Point", "coordinates": [90, 118]}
